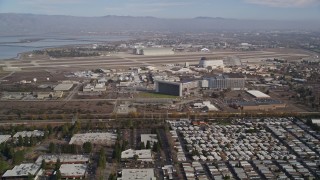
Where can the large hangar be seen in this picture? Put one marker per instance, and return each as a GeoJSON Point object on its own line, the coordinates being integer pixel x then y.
{"type": "Point", "coordinates": [170, 88]}
{"type": "Point", "coordinates": [177, 88]}
{"type": "Point", "coordinates": [153, 51]}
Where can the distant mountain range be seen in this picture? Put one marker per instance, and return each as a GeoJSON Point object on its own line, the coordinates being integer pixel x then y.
{"type": "Point", "coordinates": [29, 24]}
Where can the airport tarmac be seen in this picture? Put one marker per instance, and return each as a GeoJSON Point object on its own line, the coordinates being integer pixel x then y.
{"type": "Point", "coordinates": [129, 60]}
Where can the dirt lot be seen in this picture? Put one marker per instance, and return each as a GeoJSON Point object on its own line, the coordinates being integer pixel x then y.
{"type": "Point", "coordinates": [54, 107]}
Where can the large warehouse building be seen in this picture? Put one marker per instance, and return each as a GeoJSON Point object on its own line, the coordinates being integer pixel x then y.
{"type": "Point", "coordinates": [176, 88]}
{"type": "Point", "coordinates": [153, 51]}
{"type": "Point", "coordinates": [204, 62]}
{"type": "Point", "coordinates": [229, 81]}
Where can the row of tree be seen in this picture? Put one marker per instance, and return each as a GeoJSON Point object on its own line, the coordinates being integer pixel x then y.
{"type": "Point", "coordinates": [70, 148]}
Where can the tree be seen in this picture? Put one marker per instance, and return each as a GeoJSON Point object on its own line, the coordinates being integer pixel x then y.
{"type": "Point", "coordinates": [87, 147]}
{"type": "Point", "coordinates": [58, 164]}
{"type": "Point", "coordinates": [30, 176]}
{"type": "Point", "coordinates": [43, 164]}
{"type": "Point", "coordinates": [267, 92]}
{"type": "Point", "coordinates": [142, 146]}
{"type": "Point", "coordinates": [148, 145]}
{"type": "Point", "coordinates": [124, 145]}
{"type": "Point", "coordinates": [3, 166]}
{"type": "Point", "coordinates": [112, 177]}
{"type": "Point", "coordinates": [156, 147]}
{"type": "Point", "coordinates": [102, 159]}
{"type": "Point", "coordinates": [20, 141]}
{"type": "Point", "coordinates": [49, 128]}
{"type": "Point", "coordinates": [135, 157]}
{"type": "Point", "coordinates": [52, 147]}
{"type": "Point", "coordinates": [58, 175]}
{"type": "Point", "coordinates": [18, 157]}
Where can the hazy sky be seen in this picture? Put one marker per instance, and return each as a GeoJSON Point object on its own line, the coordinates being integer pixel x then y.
{"type": "Point", "coordinates": [240, 9]}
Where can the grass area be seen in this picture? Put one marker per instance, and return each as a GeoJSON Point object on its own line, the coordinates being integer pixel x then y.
{"type": "Point", "coordinates": [155, 95]}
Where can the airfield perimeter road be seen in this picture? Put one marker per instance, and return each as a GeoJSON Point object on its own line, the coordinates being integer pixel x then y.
{"type": "Point", "coordinates": [128, 60]}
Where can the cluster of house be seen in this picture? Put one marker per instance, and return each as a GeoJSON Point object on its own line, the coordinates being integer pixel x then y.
{"type": "Point", "coordinates": [270, 148]}
{"type": "Point", "coordinates": [231, 142]}
{"type": "Point", "coordinates": [194, 171]}
{"type": "Point", "coordinates": [295, 169]}
{"type": "Point", "coordinates": [219, 170]}
{"type": "Point", "coordinates": [289, 137]}
{"type": "Point", "coordinates": [177, 146]}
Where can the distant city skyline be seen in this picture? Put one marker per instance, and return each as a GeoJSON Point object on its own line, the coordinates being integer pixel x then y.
{"type": "Point", "coordinates": [239, 9]}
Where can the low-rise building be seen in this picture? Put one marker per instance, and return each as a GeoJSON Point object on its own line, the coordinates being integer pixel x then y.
{"type": "Point", "coordinates": [95, 138]}
{"type": "Point", "coordinates": [143, 174]}
{"type": "Point", "coordinates": [23, 171]}
{"type": "Point", "coordinates": [73, 171]}
{"type": "Point", "coordinates": [64, 159]}
{"type": "Point", "coordinates": [94, 88]}
{"type": "Point", "coordinates": [140, 155]}
{"type": "Point", "coordinates": [63, 87]}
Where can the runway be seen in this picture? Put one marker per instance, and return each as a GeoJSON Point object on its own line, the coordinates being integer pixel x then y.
{"type": "Point", "coordinates": [128, 60]}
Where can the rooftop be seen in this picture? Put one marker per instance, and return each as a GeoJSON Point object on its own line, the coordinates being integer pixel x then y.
{"type": "Point", "coordinates": [63, 87]}
{"type": "Point", "coordinates": [137, 174]}
{"type": "Point", "coordinates": [64, 158]}
{"type": "Point", "coordinates": [258, 94]}
{"type": "Point", "coordinates": [143, 155]}
{"type": "Point", "coordinates": [4, 138]}
{"type": "Point", "coordinates": [73, 170]}
{"type": "Point", "coordinates": [22, 170]}
{"type": "Point", "coordinates": [96, 138]}
{"type": "Point", "coordinates": [35, 133]}
{"type": "Point", "coordinates": [149, 137]}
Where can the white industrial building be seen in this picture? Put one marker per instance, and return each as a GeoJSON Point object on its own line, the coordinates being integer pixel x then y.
{"type": "Point", "coordinates": [138, 174]}
{"type": "Point", "coordinates": [143, 155]}
{"type": "Point", "coordinates": [73, 171]}
{"type": "Point", "coordinates": [258, 94]}
{"type": "Point", "coordinates": [204, 62]}
{"type": "Point", "coordinates": [22, 171]}
{"type": "Point", "coordinates": [95, 138]}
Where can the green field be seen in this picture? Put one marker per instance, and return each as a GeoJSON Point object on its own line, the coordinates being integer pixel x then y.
{"type": "Point", "coordinates": [154, 95]}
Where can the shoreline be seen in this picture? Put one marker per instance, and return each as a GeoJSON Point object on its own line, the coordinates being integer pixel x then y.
{"type": "Point", "coordinates": [73, 42]}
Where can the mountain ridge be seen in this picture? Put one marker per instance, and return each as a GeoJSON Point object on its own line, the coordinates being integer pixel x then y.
{"type": "Point", "coordinates": [16, 24]}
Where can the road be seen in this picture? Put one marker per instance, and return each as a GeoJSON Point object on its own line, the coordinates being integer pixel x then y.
{"type": "Point", "coordinates": [72, 93]}
{"type": "Point", "coordinates": [2, 78]}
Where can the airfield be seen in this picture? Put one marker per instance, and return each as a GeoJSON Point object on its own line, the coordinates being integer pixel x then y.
{"type": "Point", "coordinates": [34, 63]}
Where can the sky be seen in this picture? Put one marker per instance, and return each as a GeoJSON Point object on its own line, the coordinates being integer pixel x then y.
{"type": "Point", "coordinates": [238, 9]}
